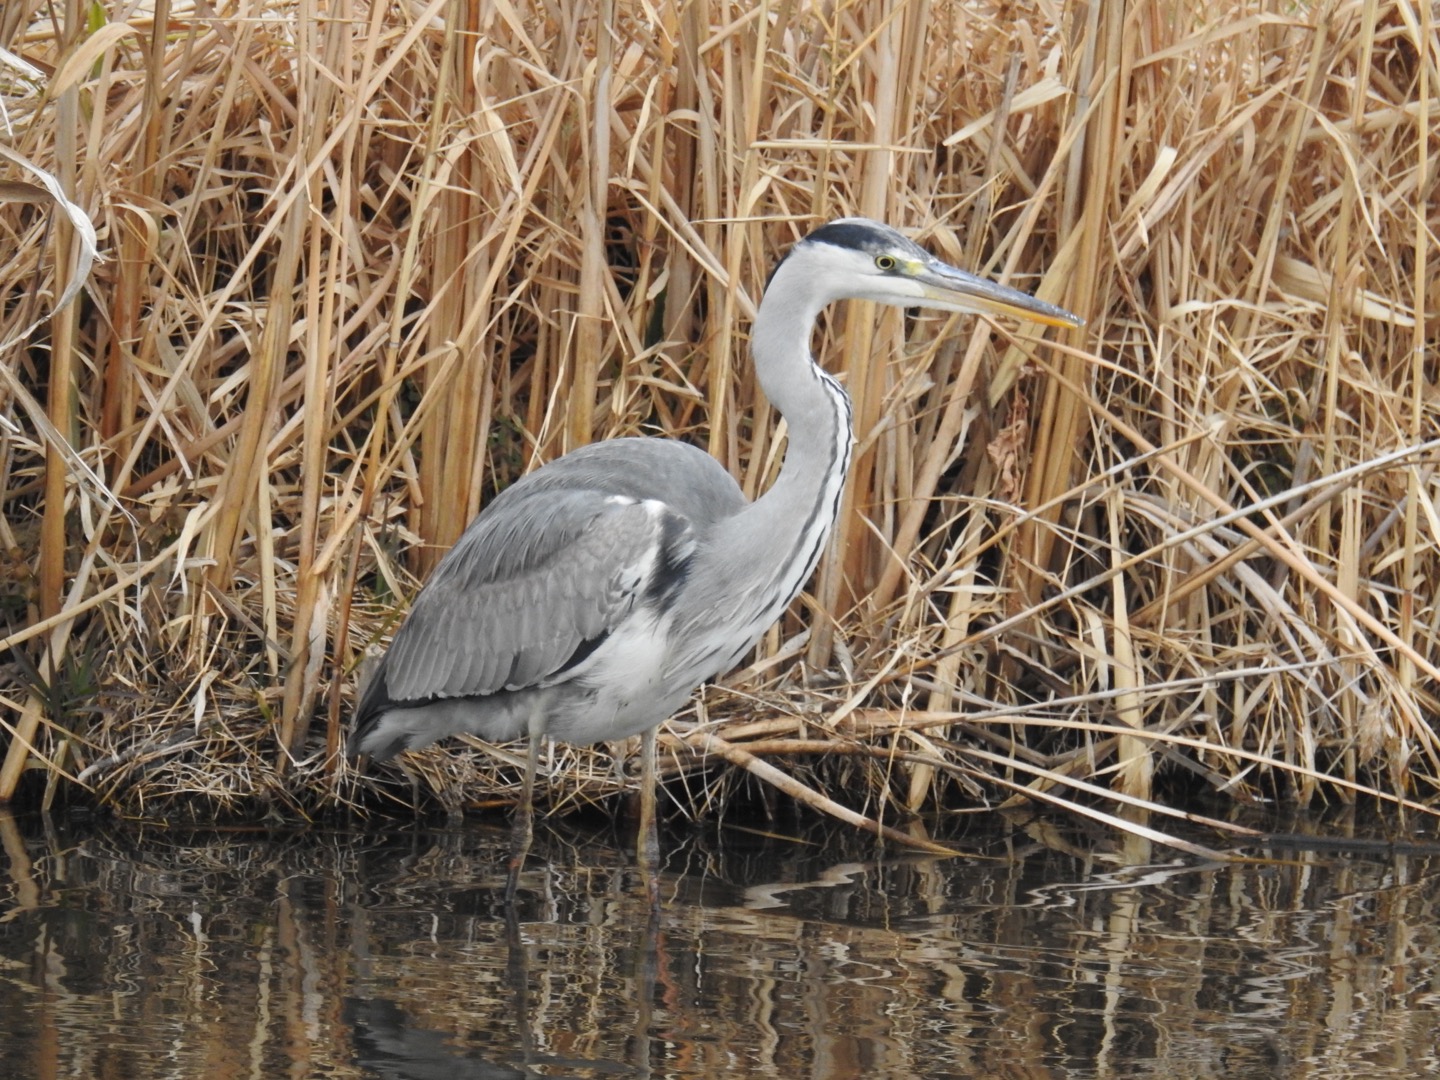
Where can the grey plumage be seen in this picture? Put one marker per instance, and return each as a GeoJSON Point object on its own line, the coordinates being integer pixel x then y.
{"type": "Point", "coordinates": [535, 587]}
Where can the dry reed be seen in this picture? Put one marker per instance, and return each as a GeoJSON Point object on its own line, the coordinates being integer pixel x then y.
{"type": "Point", "coordinates": [363, 266]}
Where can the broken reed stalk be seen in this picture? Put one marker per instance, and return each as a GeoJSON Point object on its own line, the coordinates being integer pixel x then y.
{"type": "Point", "coordinates": [363, 273]}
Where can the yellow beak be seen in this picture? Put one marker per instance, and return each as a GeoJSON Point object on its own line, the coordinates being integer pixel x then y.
{"type": "Point", "coordinates": [954, 289]}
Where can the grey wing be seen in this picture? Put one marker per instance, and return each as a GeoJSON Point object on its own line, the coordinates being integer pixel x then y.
{"type": "Point", "coordinates": [684, 477]}
{"type": "Point", "coordinates": [533, 586]}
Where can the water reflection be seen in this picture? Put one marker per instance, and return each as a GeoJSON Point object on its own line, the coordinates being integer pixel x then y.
{"type": "Point", "coordinates": [145, 953]}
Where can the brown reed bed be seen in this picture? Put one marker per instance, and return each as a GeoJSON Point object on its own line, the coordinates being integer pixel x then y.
{"type": "Point", "coordinates": [360, 267]}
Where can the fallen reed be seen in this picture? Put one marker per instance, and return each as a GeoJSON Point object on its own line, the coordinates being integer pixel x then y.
{"type": "Point", "coordinates": [362, 266]}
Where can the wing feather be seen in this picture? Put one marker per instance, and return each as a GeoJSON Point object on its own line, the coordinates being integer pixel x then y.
{"type": "Point", "coordinates": [535, 579]}
{"type": "Point", "coordinates": [546, 573]}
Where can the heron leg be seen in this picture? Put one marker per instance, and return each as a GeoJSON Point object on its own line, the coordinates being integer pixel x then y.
{"type": "Point", "coordinates": [523, 830]}
{"type": "Point", "coordinates": [647, 848]}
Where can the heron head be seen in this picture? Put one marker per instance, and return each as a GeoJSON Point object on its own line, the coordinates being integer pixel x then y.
{"type": "Point", "coordinates": [859, 259]}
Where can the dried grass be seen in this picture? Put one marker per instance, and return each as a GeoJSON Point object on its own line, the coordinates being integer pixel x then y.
{"type": "Point", "coordinates": [363, 266]}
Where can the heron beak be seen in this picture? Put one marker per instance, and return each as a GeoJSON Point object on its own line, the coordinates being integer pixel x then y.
{"type": "Point", "coordinates": [957, 290]}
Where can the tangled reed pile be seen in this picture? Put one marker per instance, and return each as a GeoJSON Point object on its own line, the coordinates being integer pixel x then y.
{"type": "Point", "coordinates": [360, 266]}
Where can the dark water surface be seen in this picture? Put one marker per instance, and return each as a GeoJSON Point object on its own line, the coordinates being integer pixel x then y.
{"type": "Point", "coordinates": [1050, 953]}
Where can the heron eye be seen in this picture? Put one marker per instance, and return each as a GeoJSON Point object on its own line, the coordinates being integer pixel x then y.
{"type": "Point", "coordinates": [885, 262]}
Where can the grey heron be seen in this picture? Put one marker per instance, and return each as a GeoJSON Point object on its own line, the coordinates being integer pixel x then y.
{"type": "Point", "coordinates": [590, 598]}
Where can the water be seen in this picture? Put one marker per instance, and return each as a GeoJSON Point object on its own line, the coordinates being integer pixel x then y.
{"type": "Point", "coordinates": [1050, 953]}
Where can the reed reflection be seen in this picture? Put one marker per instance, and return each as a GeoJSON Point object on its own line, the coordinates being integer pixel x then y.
{"type": "Point", "coordinates": [1049, 953]}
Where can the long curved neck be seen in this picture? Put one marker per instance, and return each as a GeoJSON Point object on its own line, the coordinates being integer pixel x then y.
{"type": "Point", "coordinates": [785, 529]}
